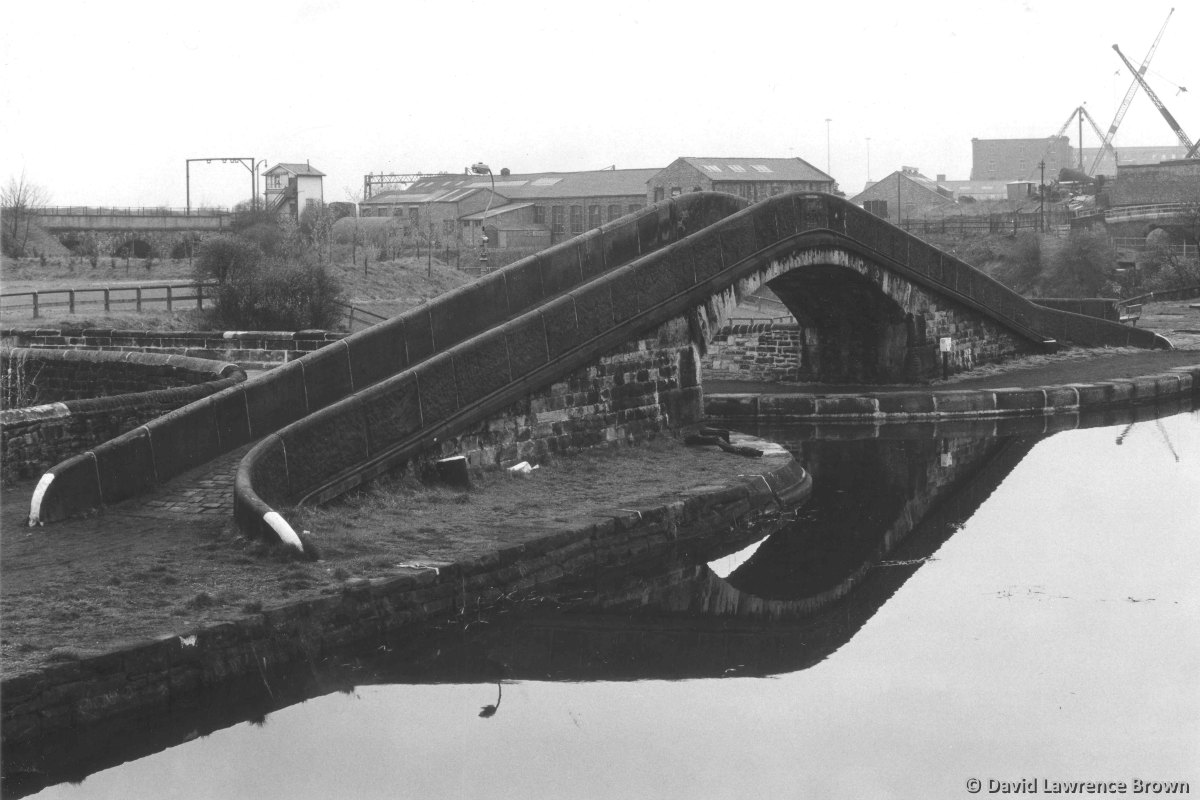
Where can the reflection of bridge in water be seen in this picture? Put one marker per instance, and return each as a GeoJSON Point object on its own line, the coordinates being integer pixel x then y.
{"type": "Point", "coordinates": [886, 497]}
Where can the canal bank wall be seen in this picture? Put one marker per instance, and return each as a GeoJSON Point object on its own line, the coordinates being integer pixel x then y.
{"type": "Point", "coordinates": [919, 404]}
{"type": "Point", "coordinates": [150, 678]}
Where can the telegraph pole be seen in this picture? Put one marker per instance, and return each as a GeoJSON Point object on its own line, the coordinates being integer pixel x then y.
{"type": "Point", "coordinates": [1042, 197]}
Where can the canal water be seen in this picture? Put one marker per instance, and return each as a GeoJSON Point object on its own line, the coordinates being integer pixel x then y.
{"type": "Point", "coordinates": [954, 604]}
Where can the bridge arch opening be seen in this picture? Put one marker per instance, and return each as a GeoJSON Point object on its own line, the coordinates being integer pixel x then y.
{"type": "Point", "coordinates": [133, 248]}
{"type": "Point", "coordinates": [852, 331]}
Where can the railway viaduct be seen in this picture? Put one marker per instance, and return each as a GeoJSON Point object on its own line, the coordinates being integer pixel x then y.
{"type": "Point", "coordinates": [140, 231]}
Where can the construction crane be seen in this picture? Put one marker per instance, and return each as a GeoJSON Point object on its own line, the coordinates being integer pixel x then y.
{"type": "Point", "coordinates": [1106, 144]}
{"type": "Point", "coordinates": [1083, 114]}
{"type": "Point", "coordinates": [1183, 137]}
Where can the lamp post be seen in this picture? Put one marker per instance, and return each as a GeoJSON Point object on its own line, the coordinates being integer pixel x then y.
{"type": "Point", "coordinates": [827, 121]}
{"type": "Point", "coordinates": [254, 195]}
{"type": "Point", "coordinates": [480, 168]}
{"type": "Point", "coordinates": [868, 159]}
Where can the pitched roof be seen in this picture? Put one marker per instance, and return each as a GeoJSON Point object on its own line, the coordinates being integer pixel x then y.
{"type": "Point", "coordinates": [756, 169]}
{"type": "Point", "coordinates": [495, 212]}
{"type": "Point", "coordinates": [297, 169]}
{"type": "Point", "coordinates": [938, 192]}
{"type": "Point", "coordinates": [995, 188]}
{"type": "Point", "coordinates": [536, 185]}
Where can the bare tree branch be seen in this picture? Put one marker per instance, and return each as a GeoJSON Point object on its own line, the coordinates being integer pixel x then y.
{"type": "Point", "coordinates": [18, 199]}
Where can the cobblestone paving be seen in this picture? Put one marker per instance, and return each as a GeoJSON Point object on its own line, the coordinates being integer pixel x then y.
{"type": "Point", "coordinates": [206, 490]}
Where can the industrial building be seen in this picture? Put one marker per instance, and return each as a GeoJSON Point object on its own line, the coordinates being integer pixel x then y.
{"type": "Point", "coordinates": [905, 193]}
{"type": "Point", "coordinates": [752, 178]}
{"type": "Point", "coordinates": [1018, 159]}
{"type": "Point", "coordinates": [534, 210]}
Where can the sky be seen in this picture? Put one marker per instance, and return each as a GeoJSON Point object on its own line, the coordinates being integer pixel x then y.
{"type": "Point", "coordinates": [104, 103]}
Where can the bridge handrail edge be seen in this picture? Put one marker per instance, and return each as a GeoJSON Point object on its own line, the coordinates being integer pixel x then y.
{"type": "Point", "coordinates": [423, 437]}
{"type": "Point", "coordinates": [644, 230]}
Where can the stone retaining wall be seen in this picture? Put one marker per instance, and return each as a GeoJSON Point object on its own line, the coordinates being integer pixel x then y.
{"type": "Point", "coordinates": [250, 349]}
{"type": "Point", "coordinates": [755, 352]}
{"type": "Point", "coordinates": [147, 678]}
{"type": "Point", "coordinates": [84, 398]}
{"type": "Point", "coordinates": [642, 389]}
{"type": "Point", "coordinates": [771, 409]}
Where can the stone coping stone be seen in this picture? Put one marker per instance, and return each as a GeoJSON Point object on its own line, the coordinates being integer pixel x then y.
{"type": "Point", "coordinates": [915, 404]}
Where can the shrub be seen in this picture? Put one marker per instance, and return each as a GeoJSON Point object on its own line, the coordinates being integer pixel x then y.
{"type": "Point", "coordinates": [268, 236]}
{"type": "Point", "coordinates": [978, 251]}
{"type": "Point", "coordinates": [1086, 260]}
{"type": "Point", "coordinates": [1026, 254]}
{"type": "Point", "coordinates": [183, 248]}
{"type": "Point", "coordinates": [270, 296]}
{"type": "Point", "coordinates": [1164, 269]}
{"type": "Point", "coordinates": [224, 257]}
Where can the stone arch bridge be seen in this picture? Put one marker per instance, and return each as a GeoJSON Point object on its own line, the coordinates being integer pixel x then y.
{"type": "Point", "coordinates": [594, 340]}
{"type": "Point", "coordinates": [138, 231]}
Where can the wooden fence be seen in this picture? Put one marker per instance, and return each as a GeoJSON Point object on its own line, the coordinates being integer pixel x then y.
{"type": "Point", "coordinates": [176, 296]}
{"type": "Point", "coordinates": [136, 298]}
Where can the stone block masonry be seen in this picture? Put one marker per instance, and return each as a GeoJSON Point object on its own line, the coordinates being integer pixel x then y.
{"type": "Point", "coordinates": [757, 352]}
{"type": "Point", "coordinates": [249, 349]}
{"type": "Point", "coordinates": [644, 388]}
{"type": "Point", "coordinates": [59, 403]}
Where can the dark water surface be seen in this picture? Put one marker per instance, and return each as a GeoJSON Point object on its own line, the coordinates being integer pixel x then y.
{"type": "Point", "coordinates": [949, 606]}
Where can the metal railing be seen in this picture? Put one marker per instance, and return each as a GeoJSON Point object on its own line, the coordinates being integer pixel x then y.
{"type": "Point", "coordinates": [1120, 213]}
{"type": "Point", "coordinates": [126, 211]}
{"type": "Point", "coordinates": [1138, 245]}
{"type": "Point", "coordinates": [172, 296]}
{"type": "Point", "coordinates": [360, 315]}
{"type": "Point", "coordinates": [977, 225]}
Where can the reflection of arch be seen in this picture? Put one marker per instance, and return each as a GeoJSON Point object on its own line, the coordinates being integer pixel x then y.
{"type": "Point", "coordinates": [860, 488]}
{"type": "Point", "coordinates": [670, 618]}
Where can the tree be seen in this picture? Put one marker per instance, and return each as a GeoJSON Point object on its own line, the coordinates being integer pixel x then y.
{"type": "Point", "coordinates": [316, 225]}
{"type": "Point", "coordinates": [351, 208]}
{"type": "Point", "coordinates": [18, 200]}
{"type": "Point", "coordinates": [258, 225]}
{"type": "Point", "coordinates": [1086, 260]}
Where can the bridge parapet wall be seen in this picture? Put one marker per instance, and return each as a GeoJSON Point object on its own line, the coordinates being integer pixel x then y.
{"type": "Point", "coordinates": [34, 376]}
{"type": "Point", "coordinates": [251, 349]}
{"type": "Point", "coordinates": [475, 351]}
{"type": "Point", "coordinates": [641, 389]}
{"type": "Point", "coordinates": [477, 378]}
{"type": "Point", "coordinates": [132, 222]}
{"type": "Point", "coordinates": [314, 381]}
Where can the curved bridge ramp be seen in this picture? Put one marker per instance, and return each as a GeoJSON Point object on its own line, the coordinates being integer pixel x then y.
{"type": "Point", "coordinates": [164, 448]}
{"type": "Point", "coordinates": [356, 439]}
